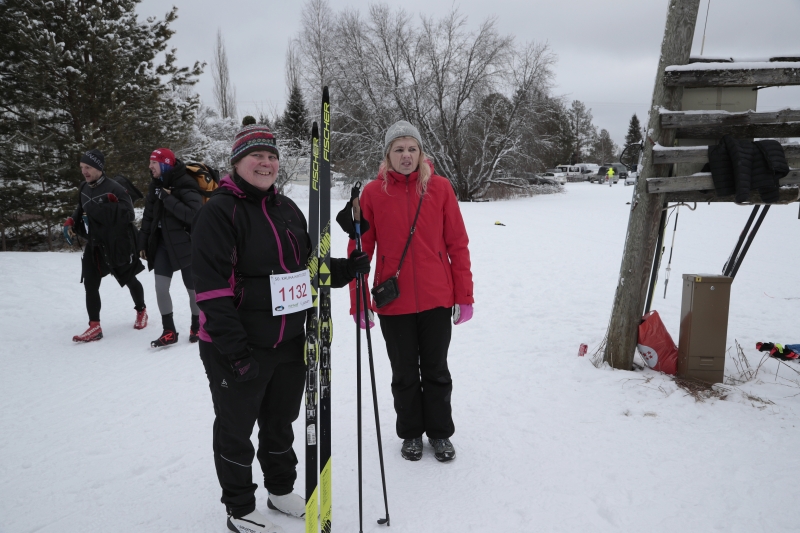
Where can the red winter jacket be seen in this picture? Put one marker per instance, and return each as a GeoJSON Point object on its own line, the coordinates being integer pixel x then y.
{"type": "Point", "coordinates": [436, 271]}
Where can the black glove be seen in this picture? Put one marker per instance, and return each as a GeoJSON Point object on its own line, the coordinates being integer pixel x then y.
{"type": "Point", "coordinates": [345, 216]}
{"type": "Point", "coordinates": [357, 263]}
{"type": "Point", "coordinates": [160, 193]}
{"type": "Point", "coordinates": [244, 366]}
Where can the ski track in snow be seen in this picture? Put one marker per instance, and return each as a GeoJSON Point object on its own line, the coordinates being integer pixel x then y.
{"type": "Point", "coordinates": [116, 436]}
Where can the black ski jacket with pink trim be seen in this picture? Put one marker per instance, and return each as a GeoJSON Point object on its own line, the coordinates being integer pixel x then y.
{"type": "Point", "coordinates": [240, 238]}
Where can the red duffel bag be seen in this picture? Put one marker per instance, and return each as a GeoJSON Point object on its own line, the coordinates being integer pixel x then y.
{"type": "Point", "coordinates": [656, 346]}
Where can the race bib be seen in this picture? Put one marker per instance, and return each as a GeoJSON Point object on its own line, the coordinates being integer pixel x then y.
{"type": "Point", "coordinates": [290, 292]}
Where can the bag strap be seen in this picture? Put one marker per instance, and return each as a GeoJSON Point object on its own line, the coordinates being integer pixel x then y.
{"type": "Point", "coordinates": [410, 234]}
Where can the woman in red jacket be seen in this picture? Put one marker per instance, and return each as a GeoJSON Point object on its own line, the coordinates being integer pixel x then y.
{"type": "Point", "coordinates": [434, 282]}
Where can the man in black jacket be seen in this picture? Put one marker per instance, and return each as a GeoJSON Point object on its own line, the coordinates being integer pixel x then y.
{"type": "Point", "coordinates": [104, 216]}
{"type": "Point", "coordinates": [172, 202]}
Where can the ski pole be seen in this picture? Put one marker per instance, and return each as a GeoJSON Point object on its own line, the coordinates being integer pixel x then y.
{"type": "Point", "coordinates": [651, 291]}
{"type": "Point", "coordinates": [671, 247]}
{"type": "Point", "coordinates": [749, 240]}
{"type": "Point", "coordinates": [363, 286]}
{"type": "Point", "coordinates": [359, 281]}
{"type": "Point", "coordinates": [728, 268]}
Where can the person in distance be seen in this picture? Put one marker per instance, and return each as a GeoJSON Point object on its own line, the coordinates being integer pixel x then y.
{"type": "Point", "coordinates": [104, 217]}
{"type": "Point", "coordinates": [173, 199]}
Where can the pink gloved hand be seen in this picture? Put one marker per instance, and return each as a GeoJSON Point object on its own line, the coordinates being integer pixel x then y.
{"type": "Point", "coordinates": [362, 323]}
{"type": "Point", "coordinates": [461, 313]}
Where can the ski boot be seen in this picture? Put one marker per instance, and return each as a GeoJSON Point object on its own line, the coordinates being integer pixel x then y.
{"type": "Point", "coordinates": [291, 504]}
{"type": "Point", "coordinates": [141, 319]}
{"type": "Point", "coordinates": [94, 333]}
{"type": "Point", "coordinates": [254, 522]}
{"type": "Point", "coordinates": [166, 338]}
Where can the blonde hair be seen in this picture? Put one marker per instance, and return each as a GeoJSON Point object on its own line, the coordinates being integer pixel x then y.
{"type": "Point", "coordinates": [424, 168]}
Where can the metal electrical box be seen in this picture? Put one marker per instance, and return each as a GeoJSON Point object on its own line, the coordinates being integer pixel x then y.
{"type": "Point", "coordinates": [704, 327]}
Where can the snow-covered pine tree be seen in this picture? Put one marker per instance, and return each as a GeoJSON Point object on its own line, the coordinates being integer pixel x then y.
{"type": "Point", "coordinates": [634, 134]}
{"type": "Point", "coordinates": [83, 74]}
{"type": "Point", "coordinates": [293, 137]}
{"type": "Point", "coordinates": [293, 125]}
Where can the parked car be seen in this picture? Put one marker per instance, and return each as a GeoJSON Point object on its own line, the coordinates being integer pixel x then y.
{"type": "Point", "coordinates": [556, 175]}
{"type": "Point", "coordinates": [536, 179]}
{"type": "Point", "coordinates": [633, 174]}
{"type": "Point", "coordinates": [620, 172]}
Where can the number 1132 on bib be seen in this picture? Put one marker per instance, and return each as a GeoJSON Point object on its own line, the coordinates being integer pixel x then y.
{"type": "Point", "coordinates": [290, 292]}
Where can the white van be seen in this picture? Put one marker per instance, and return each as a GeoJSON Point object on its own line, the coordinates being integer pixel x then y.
{"type": "Point", "coordinates": [578, 172]}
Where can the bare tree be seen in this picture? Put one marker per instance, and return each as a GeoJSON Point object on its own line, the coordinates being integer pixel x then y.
{"type": "Point", "coordinates": [471, 93]}
{"type": "Point", "coordinates": [292, 67]}
{"type": "Point", "coordinates": [224, 90]}
{"type": "Point", "coordinates": [316, 46]}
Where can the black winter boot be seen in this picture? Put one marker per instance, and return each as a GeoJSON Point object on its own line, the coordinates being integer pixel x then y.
{"type": "Point", "coordinates": [443, 449]}
{"type": "Point", "coordinates": [412, 449]}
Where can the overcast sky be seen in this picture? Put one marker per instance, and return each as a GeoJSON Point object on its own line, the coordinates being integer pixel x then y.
{"type": "Point", "coordinates": [607, 51]}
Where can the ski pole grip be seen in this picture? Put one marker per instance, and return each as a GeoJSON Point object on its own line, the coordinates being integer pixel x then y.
{"type": "Point", "coordinates": [356, 210]}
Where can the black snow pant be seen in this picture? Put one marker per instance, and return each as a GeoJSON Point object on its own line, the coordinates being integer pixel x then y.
{"type": "Point", "coordinates": [421, 386]}
{"type": "Point", "coordinates": [273, 400]}
{"type": "Point", "coordinates": [93, 273]}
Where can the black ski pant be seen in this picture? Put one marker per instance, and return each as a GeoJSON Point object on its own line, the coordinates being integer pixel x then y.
{"type": "Point", "coordinates": [273, 400]}
{"type": "Point", "coordinates": [421, 386]}
{"type": "Point", "coordinates": [92, 271]}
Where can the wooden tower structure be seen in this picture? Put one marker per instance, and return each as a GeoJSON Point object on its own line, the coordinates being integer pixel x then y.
{"type": "Point", "coordinates": [656, 186]}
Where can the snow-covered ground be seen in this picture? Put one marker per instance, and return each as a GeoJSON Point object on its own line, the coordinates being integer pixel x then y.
{"type": "Point", "coordinates": [115, 436]}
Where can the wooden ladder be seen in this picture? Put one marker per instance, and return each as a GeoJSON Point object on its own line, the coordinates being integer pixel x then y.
{"type": "Point", "coordinates": [656, 188]}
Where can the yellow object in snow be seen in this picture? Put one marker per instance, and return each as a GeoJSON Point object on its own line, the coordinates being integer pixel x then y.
{"type": "Point", "coordinates": [498, 223]}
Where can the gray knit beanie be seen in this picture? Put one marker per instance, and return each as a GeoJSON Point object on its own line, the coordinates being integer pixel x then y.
{"type": "Point", "coordinates": [401, 128]}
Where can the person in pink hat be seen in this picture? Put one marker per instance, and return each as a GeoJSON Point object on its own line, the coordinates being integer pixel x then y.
{"type": "Point", "coordinates": [173, 199]}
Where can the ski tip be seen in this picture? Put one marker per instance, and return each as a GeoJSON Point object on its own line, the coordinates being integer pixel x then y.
{"type": "Point", "coordinates": [325, 94]}
{"type": "Point", "coordinates": [314, 129]}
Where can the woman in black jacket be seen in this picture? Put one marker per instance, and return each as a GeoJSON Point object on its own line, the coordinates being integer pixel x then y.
{"type": "Point", "coordinates": [254, 358]}
{"type": "Point", "coordinates": [173, 200]}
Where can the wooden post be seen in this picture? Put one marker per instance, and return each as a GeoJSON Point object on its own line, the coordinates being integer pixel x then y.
{"type": "Point", "coordinates": [640, 242]}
